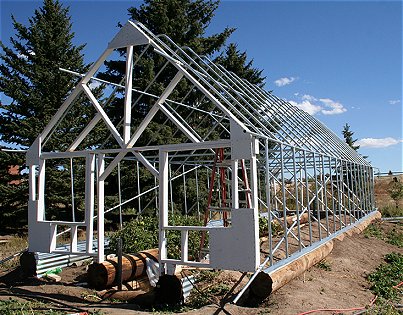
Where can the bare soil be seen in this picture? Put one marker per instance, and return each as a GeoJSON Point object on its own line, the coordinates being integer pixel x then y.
{"type": "Point", "coordinates": [344, 286]}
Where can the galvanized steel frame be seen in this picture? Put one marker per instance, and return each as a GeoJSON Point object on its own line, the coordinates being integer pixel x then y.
{"type": "Point", "coordinates": [303, 168]}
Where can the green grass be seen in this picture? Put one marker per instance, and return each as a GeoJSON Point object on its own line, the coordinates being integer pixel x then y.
{"type": "Point", "coordinates": [391, 211]}
{"type": "Point", "coordinates": [15, 307]}
{"type": "Point", "coordinates": [14, 245]}
{"type": "Point", "coordinates": [22, 307]}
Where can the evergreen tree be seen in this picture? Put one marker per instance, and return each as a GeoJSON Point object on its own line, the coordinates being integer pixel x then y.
{"type": "Point", "coordinates": [185, 22]}
{"type": "Point", "coordinates": [348, 137]}
{"type": "Point", "coordinates": [30, 77]}
{"type": "Point", "coordinates": [235, 61]}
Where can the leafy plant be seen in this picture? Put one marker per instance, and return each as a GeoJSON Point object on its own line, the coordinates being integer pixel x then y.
{"type": "Point", "coordinates": [387, 276]}
{"type": "Point", "coordinates": [395, 238]}
{"type": "Point", "coordinates": [374, 230]}
{"type": "Point", "coordinates": [324, 265]}
{"type": "Point", "coordinates": [142, 234]}
{"type": "Point", "coordinates": [137, 235]}
{"type": "Point", "coordinates": [395, 191]}
{"type": "Point", "coordinates": [264, 227]}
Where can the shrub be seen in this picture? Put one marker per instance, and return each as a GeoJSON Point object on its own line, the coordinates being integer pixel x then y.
{"type": "Point", "coordinates": [137, 235]}
{"type": "Point", "coordinates": [142, 234]}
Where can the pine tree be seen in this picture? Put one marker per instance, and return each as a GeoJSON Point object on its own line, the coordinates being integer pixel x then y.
{"type": "Point", "coordinates": [348, 137]}
{"type": "Point", "coordinates": [185, 22]}
{"type": "Point", "coordinates": [235, 61]}
{"type": "Point", "coordinates": [30, 77]}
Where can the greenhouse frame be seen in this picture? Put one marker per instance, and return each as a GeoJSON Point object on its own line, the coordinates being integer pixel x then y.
{"type": "Point", "coordinates": [269, 181]}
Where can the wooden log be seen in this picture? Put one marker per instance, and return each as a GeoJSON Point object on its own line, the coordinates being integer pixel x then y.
{"type": "Point", "coordinates": [103, 275]}
{"type": "Point", "coordinates": [291, 219]}
{"type": "Point", "coordinates": [297, 267]}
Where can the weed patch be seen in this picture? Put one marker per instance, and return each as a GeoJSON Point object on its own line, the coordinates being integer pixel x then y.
{"type": "Point", "coordinates": [208, 290]}
{"type": "Point", "coordinates": [393, 236]}
{"type": "Point", "coordinates": [324, 265]}
{"type": "Point", "coordinates": [374, 230]}
{"type": "Point", "coordinates": [17, 307]}
{"type": "Point", "coordinates": [387, 276]}
{"type": "Point", "coordinates": [391, 211]}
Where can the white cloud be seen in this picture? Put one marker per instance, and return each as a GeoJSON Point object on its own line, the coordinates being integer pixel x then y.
{"type": "Point", "coordinates": [25, 57]}
{"type": "Point", "coordinates": [334, 107]}
{"type": "Point", "coordinates": [312, 105]}
{"type": "Point", "coordinates": [94, 84]}
{"type": "Point", "coordinates": [307, 106]}
{"type": "Point", "coordinates": [308, 97]}
{"type": "Point", "coordinates": [393, 102]}
{"type": "Point", "coordinates": [378, 142]}
{"type": "Point", "coordinates": [284, 81]}
{"type": "Point", "coordinates": [22, 56]}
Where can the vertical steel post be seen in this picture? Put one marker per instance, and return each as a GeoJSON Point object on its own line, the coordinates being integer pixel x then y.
{"type": "Point", "coordinates": [284, 201]}
{"type": "Point", "coordinates": [197, 194]}
{"type": "Point", "coordinates": [89, 199]}
{"type": "Point", "coordinates": [184, 190]}
{"type": "Point", "coordinates": [128, 95]}
{"type": "Point", "coordinates": [316, 195]}
{"type": "Point", "coordinates": [73, 212]}
{"type": "Point", "coordinates": [325, 194]}
{"type": "Point", "coordinates": [163, 206]}
{"type": "Point", "coordinates": [41, 214]}
{"type": "Point", "coordinates": [120, 199]}
{"type": "Point", "coordinates": [268, 202]}
{"type": "Point", "coordinates": [170, 189]}
{"type": "Point", "coordinates": [296, 199]}
{"type": "Point", "coordinates": [138, 187]}
{"type": "Point", "coordinates": [332, 194]}
{"type": "Point", "coordinates": [308, 205]}
{"type": "Point", "coordinates": [101, 208]}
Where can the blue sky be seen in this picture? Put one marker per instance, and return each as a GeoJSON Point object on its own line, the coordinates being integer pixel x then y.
{"type": "Point", "coordinates": [339, 60]}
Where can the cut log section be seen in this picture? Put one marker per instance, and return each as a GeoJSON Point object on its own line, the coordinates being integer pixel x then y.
{"type": "Point", "coordinates": [103, 275]}
{"type": "Point", "coordinates": [285, 274]}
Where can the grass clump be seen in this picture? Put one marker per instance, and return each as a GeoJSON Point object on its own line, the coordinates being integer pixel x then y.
{"type": "Point", "coordinates": [14, 245]}
{"type": "Point", "coordinates": [392, 211]}
{"type": "Point", "coordinates": [16, 307]}
{"type": "Point", "coordinates": [208, 289]}
{"type": "Point", "coordinates": [386, 276]}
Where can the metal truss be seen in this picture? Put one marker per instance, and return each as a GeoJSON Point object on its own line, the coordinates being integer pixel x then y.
{"type": "Point", "coordinates": [304, 181]}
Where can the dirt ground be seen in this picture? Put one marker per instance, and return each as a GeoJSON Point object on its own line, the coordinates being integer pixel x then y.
{"type": "Point", "coordinates": [344, 286]}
